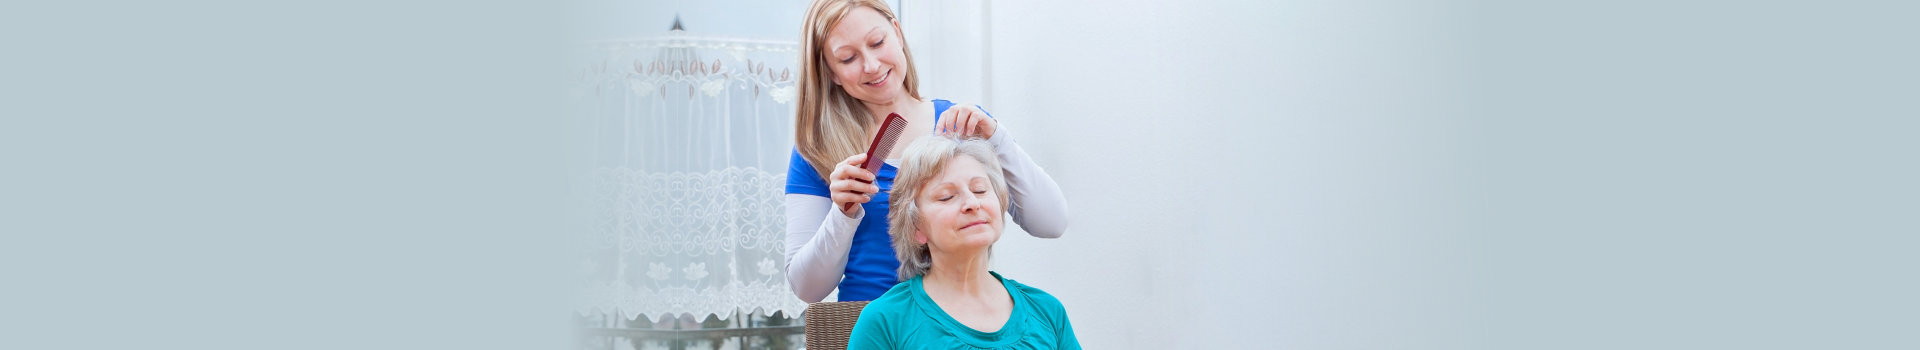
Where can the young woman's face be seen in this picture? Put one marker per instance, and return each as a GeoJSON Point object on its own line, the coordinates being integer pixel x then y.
{"type": "Point", "coordinates": [960, 208]}
{"type": "Point", "coordinates": [864, 53]}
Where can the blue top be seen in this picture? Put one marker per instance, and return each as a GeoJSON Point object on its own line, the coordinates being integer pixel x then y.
{"type": "Point", "coordinates": [905, 318]}
{"type": "Point", "coordinates": [871, 265]}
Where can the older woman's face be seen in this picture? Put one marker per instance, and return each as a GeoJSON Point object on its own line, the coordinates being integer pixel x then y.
{"type": "Point", "coordinates": [960, 207]}
{"type": "Point", "coordinates": [864, 52]}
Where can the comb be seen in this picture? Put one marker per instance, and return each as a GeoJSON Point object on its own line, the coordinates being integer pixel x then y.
{"type": "Point", "coordinates": [883, 143]}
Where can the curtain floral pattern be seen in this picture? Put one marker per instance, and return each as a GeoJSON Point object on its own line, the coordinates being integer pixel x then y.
{"type": "Point", "coordinates": [691, 136]}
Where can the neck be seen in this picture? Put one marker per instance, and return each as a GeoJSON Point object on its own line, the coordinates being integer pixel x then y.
{"type": "Point", "coordinates": [898, 105]}
{"type": "Point", "coordinates": [963, 272]}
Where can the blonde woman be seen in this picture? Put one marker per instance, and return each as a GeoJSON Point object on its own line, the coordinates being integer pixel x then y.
{"type": "Point", "coordinates": [947, 206]}
{"type": "Point", "coordinates": [855, 70]}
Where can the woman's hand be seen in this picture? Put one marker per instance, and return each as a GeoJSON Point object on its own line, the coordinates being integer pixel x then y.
{"type": "Point", "coordinates": [851, 185]}
{"type": "Point", "coordinates": [966, 120]}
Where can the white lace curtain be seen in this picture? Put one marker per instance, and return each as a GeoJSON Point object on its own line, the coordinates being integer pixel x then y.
{"type": "Point", "coordinates": [691, 139]}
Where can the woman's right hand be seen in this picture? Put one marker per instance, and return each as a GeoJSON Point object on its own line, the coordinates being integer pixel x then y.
{"type": "Point", "coordinates": [852, 185]}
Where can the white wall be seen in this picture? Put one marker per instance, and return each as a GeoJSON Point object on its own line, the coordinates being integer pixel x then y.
{"type": "Point", "coordinates": [950, 47]}
{"type": "Point", "coordinates": [1524, 175]}
{"type": "Point", "coordinates": [1242, 174]}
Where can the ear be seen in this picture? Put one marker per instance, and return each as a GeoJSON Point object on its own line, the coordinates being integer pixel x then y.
{"type": "Point", "coordinates": [920, 237]}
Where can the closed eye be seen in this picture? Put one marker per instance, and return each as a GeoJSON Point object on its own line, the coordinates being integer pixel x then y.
{"type": "Point", "coordinates": [876, 44]}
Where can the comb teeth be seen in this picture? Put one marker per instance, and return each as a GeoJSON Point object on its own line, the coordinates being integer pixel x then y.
{"type": "Point", "coordinates": [883, 141]}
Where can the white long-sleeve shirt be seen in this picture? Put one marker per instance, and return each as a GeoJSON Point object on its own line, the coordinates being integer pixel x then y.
{"type": "Point", "coordinates": [819, 235]}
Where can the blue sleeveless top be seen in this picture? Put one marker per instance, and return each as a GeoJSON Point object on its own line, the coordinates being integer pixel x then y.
{"type": "Point", "coordinates": [872, 268]}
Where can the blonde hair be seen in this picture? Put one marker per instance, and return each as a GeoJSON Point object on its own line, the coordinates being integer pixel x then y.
{"type": "Point", "coordinates": [921, 161]}
{"type": "Point", "coordinates": [829, 124]}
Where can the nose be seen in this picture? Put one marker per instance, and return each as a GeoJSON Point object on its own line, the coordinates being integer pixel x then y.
{"type": "Point", "coordinates": [869, 65]}
{"type": "Point", "coordinates": [972, 204]}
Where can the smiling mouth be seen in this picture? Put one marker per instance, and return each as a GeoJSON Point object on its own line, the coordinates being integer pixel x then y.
{"type": "Point", "coordinates": [975, 223]}
{"type": "Point", "coordinates": [882, 79]}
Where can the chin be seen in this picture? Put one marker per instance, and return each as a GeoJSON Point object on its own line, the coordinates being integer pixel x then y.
{"type": "Point", "coordinates": [886, 94]}
{"type": "Point", "coordinates": [871, 97]}
{"type": "Point", "coordinates": [975, 244]}
{"type": "Point", "coordinates": [985, 237]}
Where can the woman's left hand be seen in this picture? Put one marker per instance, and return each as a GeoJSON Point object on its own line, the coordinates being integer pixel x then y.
{"type": "Point", "coordinates": [966, 120]}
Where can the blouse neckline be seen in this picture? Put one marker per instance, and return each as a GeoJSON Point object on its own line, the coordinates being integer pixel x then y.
{"type": "Point", "coordinates": [1008, 333]}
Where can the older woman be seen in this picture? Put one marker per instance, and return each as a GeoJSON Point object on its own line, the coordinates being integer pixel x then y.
{"type": "Point", "coordinates": [948, 205]}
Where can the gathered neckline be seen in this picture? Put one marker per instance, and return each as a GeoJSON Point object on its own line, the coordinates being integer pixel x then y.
{"type": "Point", "coordinates": [1007, 334]}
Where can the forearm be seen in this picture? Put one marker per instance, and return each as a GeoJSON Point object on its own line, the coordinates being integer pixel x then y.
{"type": "Point", "coordinates": [818, 238]}
{"type": "Point", "coordinates": [1037, 202]}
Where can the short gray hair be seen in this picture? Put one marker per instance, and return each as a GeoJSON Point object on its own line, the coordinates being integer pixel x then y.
{"type": "Point", "coordinates": [919, 163]}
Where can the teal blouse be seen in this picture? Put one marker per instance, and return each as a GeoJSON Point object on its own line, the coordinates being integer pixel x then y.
{"type": "Point", "coordinates": [905, 318]}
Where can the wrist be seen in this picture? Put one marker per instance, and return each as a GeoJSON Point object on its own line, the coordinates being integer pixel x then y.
{"type": "Point", "coordinates": [852, 211]}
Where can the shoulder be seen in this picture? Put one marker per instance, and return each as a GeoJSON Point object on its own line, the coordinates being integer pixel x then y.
{"type": "Point", "coordinates": [896, 302]}
{"type": "Point", "coordinates": [1040, 297]}
{"type": "Point", "coordinates": [941, 106]}
{"type": "Point", "coordinates": [802, 178]}
{"type": "Point", "coordinates": [799, 161]}
{"type": "Point", "coordinates": [1044, 304]}
{"type": "Point", "coordinates": [881, 322]}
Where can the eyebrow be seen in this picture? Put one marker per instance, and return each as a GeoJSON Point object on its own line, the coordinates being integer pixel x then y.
{"type": "Point", "coordinates": [837, 50]}
{"type": "Point", "coordinates": [962, 183]}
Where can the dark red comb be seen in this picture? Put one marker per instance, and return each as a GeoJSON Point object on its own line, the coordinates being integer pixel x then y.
{"type": "Point", "coordinates": [883, 142]}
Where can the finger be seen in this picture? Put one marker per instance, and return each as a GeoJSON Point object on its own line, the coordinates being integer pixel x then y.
{"type": "Point", "coordinates": [839, 187]}
{"type": "Point", "coordinates": [951, 122]}
{"type": "Point", "coordinates": [851, 185]}
{"type": "Point", "coordinates": [840, 172]}
{"type": "Point", "coordinates": [946, 121]}
{"type": "Point", "coordinates": [973, 121]}
{"type": "Point", "coordinates": [993, 127]}
{"type": "Point", "coordinates": [987, 124]}
{"type": "Point", "coordinates": [850, 198]}
{"type": "Point", "coordinates": [856, 197]}
{"type": "Point", "coordinates": [847, 172]}
{"type": "Point", "coordinates": [849, 188]}
{"type": "Point", "coordinates": [965, 120]}
{"type": "Point", "coordinates": [980, 121]}
{"type": "Point", "coordinates": [855, 173]}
